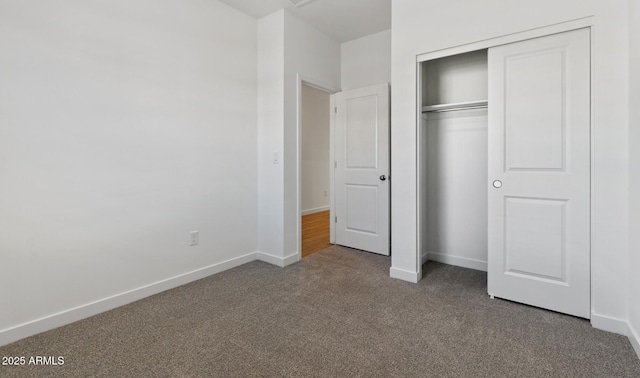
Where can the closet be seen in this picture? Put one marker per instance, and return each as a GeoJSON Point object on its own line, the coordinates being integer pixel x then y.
{"type": "Point", "coordinates": [504, 167]}
{"type": "Point", "coordinates": [454, 160]}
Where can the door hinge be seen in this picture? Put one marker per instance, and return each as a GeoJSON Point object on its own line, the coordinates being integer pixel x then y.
{"type": "Point", "coordinates": [335, 110]}
{"type": "Point", "coordinates": [335, 164]}
{"type": "Point", "coordinates": [336, 220]}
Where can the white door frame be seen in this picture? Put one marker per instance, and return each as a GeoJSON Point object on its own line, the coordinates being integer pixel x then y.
{"type": "Point", "coordinates": [587, 22]}
{"type": "Point", "coordinates": [328, 88]}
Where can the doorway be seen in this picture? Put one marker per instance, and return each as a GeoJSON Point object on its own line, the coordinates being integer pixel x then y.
{"type": "Point", "coordinates": [315, 186]}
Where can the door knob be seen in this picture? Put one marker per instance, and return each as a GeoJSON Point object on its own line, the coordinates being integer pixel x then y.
{"type": "Point", "coordinates": [497, 184]}
{"type": "Point", "coordinates": [383, 177]}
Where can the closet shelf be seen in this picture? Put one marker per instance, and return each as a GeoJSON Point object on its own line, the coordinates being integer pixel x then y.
{"type": "Point", "coordinates": [455, 106]}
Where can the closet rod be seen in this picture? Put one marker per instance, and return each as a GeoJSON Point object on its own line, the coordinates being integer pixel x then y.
{"type": "Point", "coordinates": [455, 106]}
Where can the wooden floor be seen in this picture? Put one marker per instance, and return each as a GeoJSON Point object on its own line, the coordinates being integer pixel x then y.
{"type": "Point", "coordinates": [315, 232]}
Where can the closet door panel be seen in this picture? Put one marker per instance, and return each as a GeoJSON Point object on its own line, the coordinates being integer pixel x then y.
{"type": "Point", "coordinates": [535, 243]}
{"type": "Point", "coordinates": [534, 130]}
{"type": "Point", "coordinates": [539, 172]}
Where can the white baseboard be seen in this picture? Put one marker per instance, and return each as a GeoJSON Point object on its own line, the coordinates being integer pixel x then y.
{"type": "Point", "coordinates": [404, 275]}
{"type": "Point", "coordinates": [316, 210]}
{"type": "Point", "coordinates": [619, 326]}
{"type": "Point", "coordinates": [71, 315]}
{"type": "Point", "coordinates": [277, 260]}
{"type": "Point", "coordinates": [463, 262]}
{"type": "Point", "coordinates": [610, 324]}
{"type": "Point", "coordinates": [634, 338]}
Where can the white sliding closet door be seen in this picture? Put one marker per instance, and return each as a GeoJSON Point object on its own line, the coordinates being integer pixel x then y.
{"type": "Point", "coordinates": [539, 172]}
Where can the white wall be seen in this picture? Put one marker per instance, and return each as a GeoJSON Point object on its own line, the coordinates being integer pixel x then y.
{"type": "Point", "coordinates": [454, 226]}
{"type": "Point", "coordinates": [122, 130]}
{"type": "Point", "coordinates": [301, 50]}
{"type": "Point", "coordinates": [634, 172]}
{"type": "Point", "coordinates": [459, 78]}
{"type": "Point", "coordinates": [414, 21]}
{"type": "Point", "coordinates": [270, 133]}
{"type": "Point", "coordinates": [314, 140]}
{"type": "Point", "coordinates": [366, 61]}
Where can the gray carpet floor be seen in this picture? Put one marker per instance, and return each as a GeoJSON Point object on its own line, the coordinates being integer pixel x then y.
{"type": "Point", "coordinates": [336, 313]}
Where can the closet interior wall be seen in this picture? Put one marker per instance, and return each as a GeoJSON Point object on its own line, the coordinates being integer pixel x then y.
{"type": "Point", "coordinates": [453, 154]}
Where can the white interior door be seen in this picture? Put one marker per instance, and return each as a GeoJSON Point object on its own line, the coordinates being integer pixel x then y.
{"type": "Point", "coordinates": [539, 172]}
{"type": "Point", "coordinates": [362, 169]}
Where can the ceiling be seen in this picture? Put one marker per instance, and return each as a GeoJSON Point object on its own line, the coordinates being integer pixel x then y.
{"type": "Point", "coordinates": [342, 20]}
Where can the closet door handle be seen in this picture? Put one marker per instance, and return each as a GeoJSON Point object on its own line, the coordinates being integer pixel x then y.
{"type": "Point", "coordinates": [497, 184]}
{"type": "Point", "coordinates": [383, 177]}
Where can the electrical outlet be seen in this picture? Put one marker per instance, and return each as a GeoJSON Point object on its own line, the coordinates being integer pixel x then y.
{"type": "Point", "coordinates": [193, 238]}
